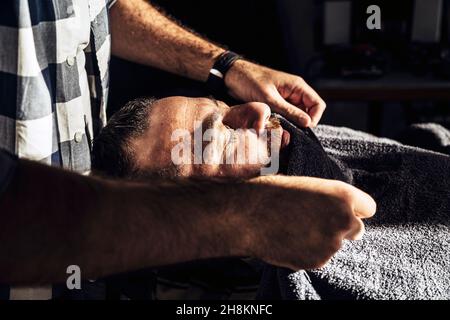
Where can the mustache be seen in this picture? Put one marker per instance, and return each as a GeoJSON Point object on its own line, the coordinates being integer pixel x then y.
{"type": "Point", "coordinates": [273, 123]}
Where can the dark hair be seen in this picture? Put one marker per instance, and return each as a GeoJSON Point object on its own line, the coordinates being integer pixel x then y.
{"type": "Point", "coordinates": [111, 154]}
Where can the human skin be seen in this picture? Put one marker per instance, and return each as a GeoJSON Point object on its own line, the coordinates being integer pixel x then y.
{"type": "Point", "coordinates": [142, 34]}
{"type": "Point", "coordinates": [152, 150]}
{"type": "Point", "coordinates": [170, 115]}
{"type": "Point", "coordinates": [52, 219]}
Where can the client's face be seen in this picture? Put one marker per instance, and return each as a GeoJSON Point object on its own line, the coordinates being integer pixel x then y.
{"type": "Point", "coordinates": [204, 137]}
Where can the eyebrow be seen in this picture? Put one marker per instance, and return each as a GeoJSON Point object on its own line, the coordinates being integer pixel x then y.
{"type": "Point", "coordinates": [210, 120]}
{"type": "Point", "coordinates": [214, 100]}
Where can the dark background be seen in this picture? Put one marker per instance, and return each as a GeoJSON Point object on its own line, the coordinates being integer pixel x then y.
{"type": "Point", "coordinates": [287, 35]}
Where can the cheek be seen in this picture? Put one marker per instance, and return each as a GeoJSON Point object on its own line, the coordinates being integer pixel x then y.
{"type": "Point", "coordinates": [251, 150]}
{"type": "Point", "coordinates": [263, 146]}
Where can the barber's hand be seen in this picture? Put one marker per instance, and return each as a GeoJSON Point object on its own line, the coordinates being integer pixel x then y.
{"type": "Point", "coordinates": [286, 94]}
{"type": "Point", "coordinates": [300, 222]}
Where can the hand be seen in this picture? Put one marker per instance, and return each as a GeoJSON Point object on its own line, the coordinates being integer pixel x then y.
{"type": "Point", "coordinates": [286, 94]}
{"type": "Point", "coordinates": [300, 222]}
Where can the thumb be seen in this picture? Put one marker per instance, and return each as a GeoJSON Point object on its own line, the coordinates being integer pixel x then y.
{"type": "Point", "coordinates": [289, 111]}
{"type": "Point", "coordinates": [262, 117]}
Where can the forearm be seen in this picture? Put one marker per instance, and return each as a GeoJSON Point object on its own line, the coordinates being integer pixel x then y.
{"type": "Point", "coordinates": [142, 34]}
{"type": "Point", "coordinates": [51, 219]}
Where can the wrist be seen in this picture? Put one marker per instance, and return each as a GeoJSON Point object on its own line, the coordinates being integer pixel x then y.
{"type": "Point", "coordinates": [216, 77]}
{"type": "Point", "coordinates": [248, 199]}
{"type": "Point", "coordinates": [235, 73]}
{"type": "Point", "coordinates": [241, 79]}
{"type": "Point", "coordinates": [223, 213]}
{"type": "Point", "coordinates": [231, 217]}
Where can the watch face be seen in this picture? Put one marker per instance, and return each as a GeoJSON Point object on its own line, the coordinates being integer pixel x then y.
{"type": "Point", "coordinates": [216, 73]}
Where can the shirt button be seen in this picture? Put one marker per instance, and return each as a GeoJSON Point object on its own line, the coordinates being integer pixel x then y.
{"type": "Point", "coordinates": [70, 61]}
{"type": "Point", "coordinates": [78, 137]}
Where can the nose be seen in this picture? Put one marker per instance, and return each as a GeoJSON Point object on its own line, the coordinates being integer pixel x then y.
{"type": "Point", "coordinates": [252, 115]}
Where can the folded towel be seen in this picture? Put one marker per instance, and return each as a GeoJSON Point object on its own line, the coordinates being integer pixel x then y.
{"type": "Point", "coordinates": [430, 136]}
{"type": "Point", "coordinates": [405, 252]}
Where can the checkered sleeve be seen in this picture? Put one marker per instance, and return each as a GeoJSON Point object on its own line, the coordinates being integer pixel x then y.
{"type": "Point", "coordinates": [29, 70]}
{"type": "Point", "coordinates": [46, 89]}
{"type": "Point", "coordinates": [54, 59]}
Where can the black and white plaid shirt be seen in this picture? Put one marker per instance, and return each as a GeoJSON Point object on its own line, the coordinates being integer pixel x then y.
{"type": "Point", "coordinates": [54, 59]}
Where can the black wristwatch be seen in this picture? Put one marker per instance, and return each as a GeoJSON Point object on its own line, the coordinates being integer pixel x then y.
{"type": "Point", "coordinates": [216, 78]}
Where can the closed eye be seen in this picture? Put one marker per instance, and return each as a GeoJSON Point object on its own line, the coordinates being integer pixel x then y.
{"type": "Point", "coordinates": [231, 135]}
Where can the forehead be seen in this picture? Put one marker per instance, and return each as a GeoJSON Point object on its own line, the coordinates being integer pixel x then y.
{"type": "Point", "coordinates": [181, 112]}
{"type": "Point", "coordinates": [166, 116]}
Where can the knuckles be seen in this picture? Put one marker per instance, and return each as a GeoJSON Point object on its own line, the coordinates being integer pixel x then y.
{"type": "Point", "coordinates": [299, 80]}
{"type": "Point", "coordinates": [335, 245]}
{"type": "Point", "coordinates": [345, 221]}
{"type": "Point", "coordinates": [259, 107]}
{"type": "Point", "coordinates": [344, 193]}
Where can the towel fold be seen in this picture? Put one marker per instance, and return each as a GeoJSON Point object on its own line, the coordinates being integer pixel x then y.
{"type": "Point", "coordinates": [405, 252]}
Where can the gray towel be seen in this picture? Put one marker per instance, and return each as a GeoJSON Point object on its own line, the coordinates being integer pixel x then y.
{"type": "Point", "coordinates": [405, 252]}
{"type": "Point", "coordinates": [430, 136]}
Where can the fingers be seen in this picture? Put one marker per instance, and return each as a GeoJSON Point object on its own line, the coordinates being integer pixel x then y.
{"type": "Point", "coordinates": [261, 119]}
{"type": "Point", "coordinates": [363, 205]}
{"type": "Point", "coordinates": [313, 104]}
{"type": "Point", "coordinates": [310, 100]}
{"type": "Point", "coordinates": [303, 106]}
{"type": "Point", "coordinates": [248, 115]}
{"type": "Point", "coordinates": [291, 112]}
{"type": "Point", "coordinates": [356, 231]}
{"type": "Point", "coordinates": [334, 211]}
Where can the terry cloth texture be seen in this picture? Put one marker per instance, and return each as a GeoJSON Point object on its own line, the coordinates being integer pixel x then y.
{"type": "Point", "coordinates": [405, 252]}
